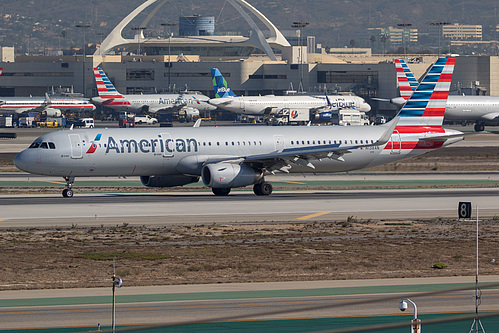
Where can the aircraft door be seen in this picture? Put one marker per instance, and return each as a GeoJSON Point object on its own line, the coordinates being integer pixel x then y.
{"type": "Point", "coordinates": [396, 143]}
{"type": "Point", "coordinates": [241, 104]}
{"type": "Point", "coordinates": [76, 146]}
{"type": "Point", "coordinates": [279, 143]}
{"type": "Point", "coordinates": [168, 145]}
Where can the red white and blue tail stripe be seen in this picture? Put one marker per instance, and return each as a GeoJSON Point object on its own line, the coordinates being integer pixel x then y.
{"type": "Point", "coordinates": [407, 81]}
{"type": "Point", "coordinates": [426, 106]}
{"type": "Point", "coordinates": [106, 89]}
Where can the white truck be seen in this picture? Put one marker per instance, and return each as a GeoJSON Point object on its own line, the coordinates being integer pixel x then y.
{"type": "Point", "coordinates": [145, 119]}
{"type": "Point", "coordinates": [85, 123]}
{"type": "Point", "coordinates": [291, 117]}
{"type": "Point", "coordinates": [349, 117]}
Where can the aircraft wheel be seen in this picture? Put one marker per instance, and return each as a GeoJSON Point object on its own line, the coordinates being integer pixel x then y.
{"type": "Point", "coordinates": [479, 127]}
{"type": "Point", "coordinates": [67, 193]}
{"type": "Point", "coordinates": [262, 188]}
{"type": "Point", "coordinates": [220, 191]}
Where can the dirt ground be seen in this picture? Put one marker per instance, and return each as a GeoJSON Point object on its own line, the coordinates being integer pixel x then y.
{"type": "Point", "coordinates": [351, 249]}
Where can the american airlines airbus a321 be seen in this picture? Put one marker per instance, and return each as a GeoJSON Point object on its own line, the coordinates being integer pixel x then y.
{"type": "Point", "coordinates": [229, 157]}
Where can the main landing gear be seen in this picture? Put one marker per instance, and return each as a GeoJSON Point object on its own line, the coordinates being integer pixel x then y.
{"type": "Point", "coordinates": [479, 127]}
{"type": "Point", "coordinates": [68, 191]}
{"type": "Point", "coordinates": [262, 188]}
{"type": "Point", "coordinates": [221, 190]}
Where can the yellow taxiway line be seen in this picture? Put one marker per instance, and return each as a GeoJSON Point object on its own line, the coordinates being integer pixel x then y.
{"type": "Point", "coordinates": [311, 216]}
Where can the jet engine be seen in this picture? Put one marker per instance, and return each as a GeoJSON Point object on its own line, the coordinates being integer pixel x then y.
{"type": "Point", "coordinates": [167, 180]}
{"type": "Point", "coordinates": [189, 113]}
{"type": "Point", "coordinates": [227, 175]}
{"type": "Point", "coordinates": [51, 112]}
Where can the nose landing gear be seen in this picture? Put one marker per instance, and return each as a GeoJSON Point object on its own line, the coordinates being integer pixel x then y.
{"type": "Point", "coordinates": [68, 191]}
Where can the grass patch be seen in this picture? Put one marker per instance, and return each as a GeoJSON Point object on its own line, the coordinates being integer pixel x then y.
{"type": "Point", "coordinates": [128, 255]}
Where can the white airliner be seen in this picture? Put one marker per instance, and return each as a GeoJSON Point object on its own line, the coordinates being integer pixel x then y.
{"type": "Point", "coordinates": [260, 105]}
{"type": "Point", "coordinates": [52, 107]}
{"type": "Point", "coordinates": [479, 109]}
{"type": "Point", "coordinates": [229, 157]}
{"type": "Point", "coordinates": [110, 97]}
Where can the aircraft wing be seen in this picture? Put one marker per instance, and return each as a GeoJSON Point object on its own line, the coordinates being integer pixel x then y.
{"type": "Point", "coordinates": [282, 160]}
{"type": "Point", "coordinates": [490, 116]}
{"type": "Point", "coordinates": [171, 109]}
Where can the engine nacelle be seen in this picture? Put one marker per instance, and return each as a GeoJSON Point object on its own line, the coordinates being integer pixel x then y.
{"type": "Point", "coordinates": [190, 113]}
{"type": "Point", "coordinates": [227, 175]}
{"type": "Point", "coordinates": [53, 112]}
{"type": "Point", "coordinates": [167, 180]}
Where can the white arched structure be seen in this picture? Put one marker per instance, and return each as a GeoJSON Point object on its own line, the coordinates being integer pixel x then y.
{"type": "Point", "coordinates": [276, 39]}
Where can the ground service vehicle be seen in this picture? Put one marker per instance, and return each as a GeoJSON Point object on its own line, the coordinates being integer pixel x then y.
{"type": "Point", "coordinates": [145, 119]}
{"type": "Point", "coordinates": [349, 117]}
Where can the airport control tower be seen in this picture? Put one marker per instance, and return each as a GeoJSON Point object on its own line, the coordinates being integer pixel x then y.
{"type": "Point", "coordinates": [196, 25]}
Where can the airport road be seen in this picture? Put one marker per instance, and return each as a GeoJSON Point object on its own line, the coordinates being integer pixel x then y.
{"type": "Point", "coordinates": [228, 302]}
{"type": "Point", "coordinates": [241, 206]}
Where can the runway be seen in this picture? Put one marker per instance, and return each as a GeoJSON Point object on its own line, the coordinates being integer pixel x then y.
{"type": "Point", "coordinates": [241, 206]}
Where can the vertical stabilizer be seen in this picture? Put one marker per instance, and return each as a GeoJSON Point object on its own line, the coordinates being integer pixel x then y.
{"type": "Point", "coordinates": [220, 85]}
{"type": "Point", "coordinates": [105, 88]}
{"type": "Point", "coordinates": [107, 91]}
{"type": "Point", "coordinates": [407, 81]}
{"type": "Point", "coordinates": [426, 106]}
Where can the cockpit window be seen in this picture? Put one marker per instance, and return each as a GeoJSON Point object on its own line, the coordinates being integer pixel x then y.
{"type": "Point", "coordinates": [51, 145]}
{"type": "Point", "coordinates": [35, 145]}
{"type": "Point", "coordinates": [44, 145]}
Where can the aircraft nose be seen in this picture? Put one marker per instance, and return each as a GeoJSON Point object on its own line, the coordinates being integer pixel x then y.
{"type": "Point", "coordinates": [24, 161]}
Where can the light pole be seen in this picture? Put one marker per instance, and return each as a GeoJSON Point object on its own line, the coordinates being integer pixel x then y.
{"type": "Point", "coordinates": [404, 33]}
{"type": "Point", "coordinates": [117, 282]}
{"type": "Point", "coordinates": [300, 25]}
{"type": "Point", "coordinates": [139, 35]}
{"type": "Point", "coordinates": [440, 30]}
{"type": "Point", "coordinates": [84, 27]}
{"type": "Point", "coordinates": [170, 35]}
{"type": "Point", "coordinates": [415, 323]}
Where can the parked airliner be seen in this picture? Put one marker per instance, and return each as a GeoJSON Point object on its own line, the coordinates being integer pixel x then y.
{"type": "Point", "coordinates": [478, 109]}
{"type": "Point", "coordinates": [110, 97]}
{"type": "Point", "coordinates": [226, 99]}
{"type": "Point", "coordinates": [229, 157]}
{"type": "Point", "coordinates": [52, 107]}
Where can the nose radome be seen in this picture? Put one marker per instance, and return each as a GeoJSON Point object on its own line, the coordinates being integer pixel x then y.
{"type": "Point", "coordinates": [19, 161]}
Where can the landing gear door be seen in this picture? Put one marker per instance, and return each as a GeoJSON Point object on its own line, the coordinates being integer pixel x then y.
{"type": "Point", "coordinates": [76, 146]}
{"type": "Point", "coordinates": [168, 145]}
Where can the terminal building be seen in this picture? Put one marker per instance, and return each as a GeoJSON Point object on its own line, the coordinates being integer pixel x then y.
{"type": "Point", "coordinates": [262, 63]}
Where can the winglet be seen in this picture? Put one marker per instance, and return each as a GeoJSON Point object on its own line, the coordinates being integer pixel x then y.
{"type": "Point", "coordinates": [48, 101]}
{"type": "Point", "coordinates": [197, 123]}
{"type": "Point", "coordinates": [390, 127]}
